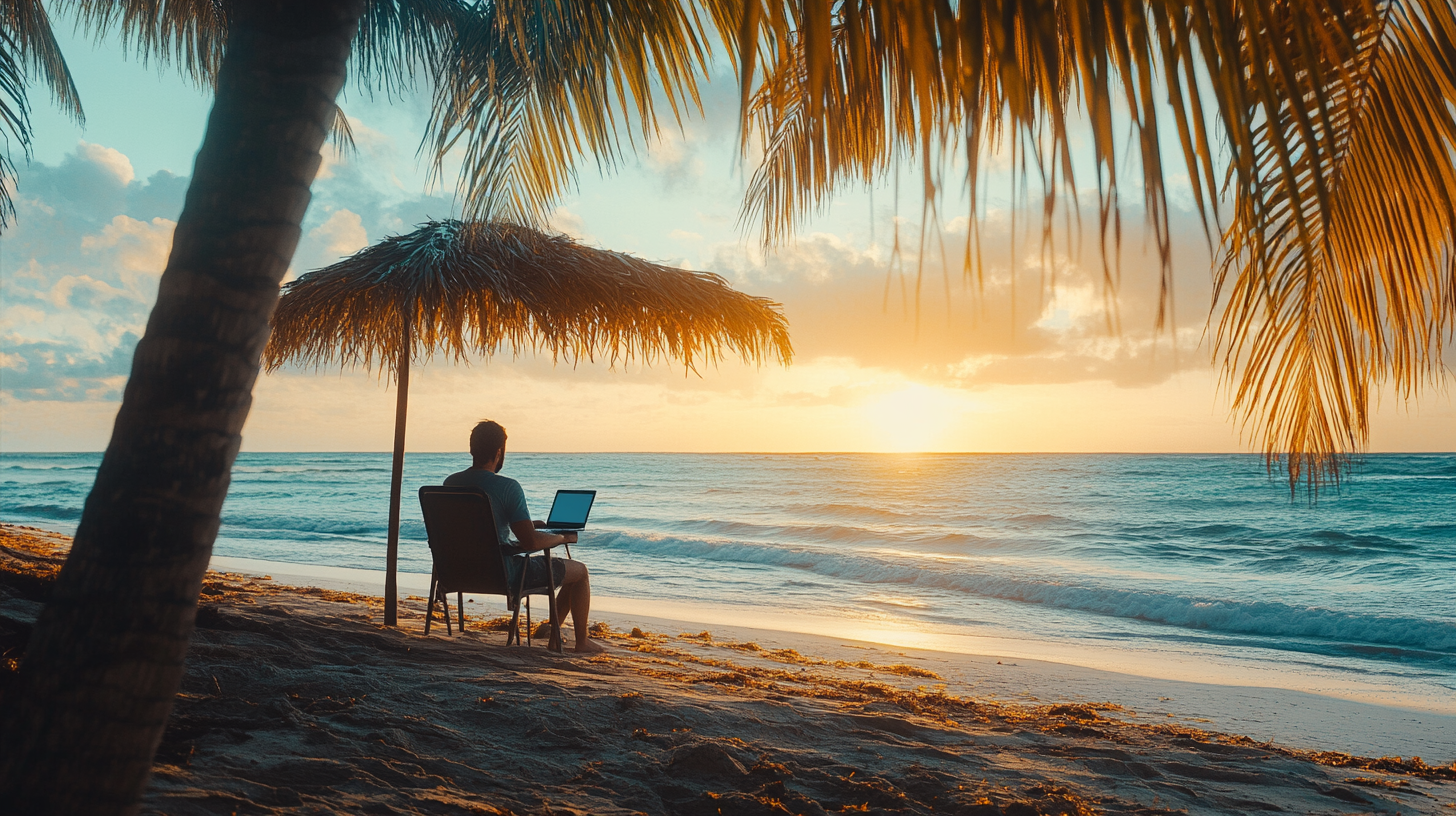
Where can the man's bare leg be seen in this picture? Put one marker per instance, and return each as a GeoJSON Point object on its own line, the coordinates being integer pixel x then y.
{"type": "Point", "coordinates": [575, 598]}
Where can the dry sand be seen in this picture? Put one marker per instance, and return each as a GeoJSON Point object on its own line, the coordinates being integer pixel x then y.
{"type": "Point", "coordinates": [297, 700]}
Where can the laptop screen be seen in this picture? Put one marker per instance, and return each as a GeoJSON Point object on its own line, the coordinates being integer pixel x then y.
{"type": "Point", "coordinates": [571, 508]}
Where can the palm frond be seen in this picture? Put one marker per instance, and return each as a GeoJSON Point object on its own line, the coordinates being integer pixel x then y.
{"type": "Point", "coordinates": [341, 133]}
{"type": "Point", "coordinates": [851, 87]}
{"type": "Point", "coordinates": [1340, 270]}
{"type": "Point", "coordinates": [31, 35]}
{"type": "Point", "coordinates": [481, 288]}
{"type": "Point", "coordinates": [27, 44]}
{"type": "Point", "coordinates": [14, 119]}
{"type": "Point", "coordinates": [1335, 115]}
{"type": "Point", "coordinates": [532, 88]}
{"type": "Point", "coordinates": [398, 40]}
{"type": "Point", "coordinates": [190, 33]}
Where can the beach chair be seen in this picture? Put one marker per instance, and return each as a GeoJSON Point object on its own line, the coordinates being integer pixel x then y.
{"type": "Point", "coordinates": [468, 557]}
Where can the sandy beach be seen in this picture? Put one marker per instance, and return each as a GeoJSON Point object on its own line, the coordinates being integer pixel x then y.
{"type": "Point", "coordinates": [298, 700]}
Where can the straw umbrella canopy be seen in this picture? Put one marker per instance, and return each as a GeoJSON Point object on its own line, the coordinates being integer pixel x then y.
{"type": "Point", "coordinates": [475, 288]}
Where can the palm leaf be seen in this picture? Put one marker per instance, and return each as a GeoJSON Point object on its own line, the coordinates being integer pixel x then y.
{"type": "Point", "coordinates": [27, 44]}
{"type": "Point", "coordinates": [191, 33]}
{"type": "Point", "coordinates": [532, 88]}
{"type": "Point", "coordinates": [14, 119]}
{"type": "Point", "coordinates": [398, 40]}
{"type": "Point", "coordinates": [1340, 272]}
{"type": "Point", "coordinates": [1336, 116]}
{"type": "Point", "coordinates": [30, 33]}
{"type": "Point", "coordinates": [930, 81]}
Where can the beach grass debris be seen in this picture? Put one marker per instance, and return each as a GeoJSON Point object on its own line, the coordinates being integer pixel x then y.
{"type": "Point", "coordinates": [1371, 782]}
{"type": "Point", "coordinates": [862, 690]}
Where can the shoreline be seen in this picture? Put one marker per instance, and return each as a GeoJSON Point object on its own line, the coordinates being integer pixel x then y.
{"type": "Point", "coordinates": [1023, 562]}
{"type": "Point", "coordinates": [1270, 713]}
{"type": "Point", "coordinates": [1287, 715]}
{"type": "Point", "coordinates": [297, 697]}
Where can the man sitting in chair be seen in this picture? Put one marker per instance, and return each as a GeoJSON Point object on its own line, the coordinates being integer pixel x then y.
{"type": "Point", "coordinates": [488, 452]}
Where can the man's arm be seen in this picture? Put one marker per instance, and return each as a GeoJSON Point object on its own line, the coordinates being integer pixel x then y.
{"type": "Point", "coordinates": [532, 539]}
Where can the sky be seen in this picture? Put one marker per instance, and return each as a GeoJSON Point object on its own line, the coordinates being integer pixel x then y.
{"type": "Point", "coordinates": [1009, 364]}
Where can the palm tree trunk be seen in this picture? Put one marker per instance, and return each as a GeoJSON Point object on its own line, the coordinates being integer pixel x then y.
{"type": "Point", "coordinates": [396, 479]}
{"type": "Point", "coordinates": [104, 663]}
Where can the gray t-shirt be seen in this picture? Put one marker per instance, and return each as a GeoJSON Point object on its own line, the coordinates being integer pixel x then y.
{"type": "Point", "coordinates": [507, 500]}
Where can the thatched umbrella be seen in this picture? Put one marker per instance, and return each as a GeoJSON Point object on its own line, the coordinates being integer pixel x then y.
{"type": "Point", "coordinates": [475, 288]}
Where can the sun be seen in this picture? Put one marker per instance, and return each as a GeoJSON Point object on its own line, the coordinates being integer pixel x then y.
{"type": "Point", "coordinates": [910, 419]}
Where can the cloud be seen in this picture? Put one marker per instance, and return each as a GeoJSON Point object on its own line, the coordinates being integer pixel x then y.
{"type": "Point", "coordinates": [138, 248]}
{"type": "Point", "coordinates": [697, 152]}
{"type": "Point", "coordinates": [84, 258]}
{"type": "Point", "coordinates": [674, 155]}
{"type": "Point", "coordinates": [81, 264]}
{"type": "Point", "coordinates": [342, 234]}
{"type": "Point", "coordinates": [81, 292]}
{"type": "Point", "coordinates": [108, 159]}
{"type": "Point", "coordinates": [569, 223]}
{"type": "Point", "coordinates": [855, 305]}
{"type": "Point", "coordinates": [61, 371]}
{"type": "Point", "coordinates": [105, 281]}
{"type": "Point", "coordinates": [1031, 316]}
{"type": "Point", "coordinates": [361, 197]}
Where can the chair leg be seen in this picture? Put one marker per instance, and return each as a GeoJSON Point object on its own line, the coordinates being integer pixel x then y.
{"type": "Point", "coordinates": [460, 609]}
{"type": "Point", "coordinates": [528, 621]}
{"type": "Point", "coordinates": [514, 635]}
{"type": "Point", "coordinates": [445, 601]}
{"type": "Point", "coordinates": [430, 610]}
{"type": "Point", "coordinates": [555, 643]}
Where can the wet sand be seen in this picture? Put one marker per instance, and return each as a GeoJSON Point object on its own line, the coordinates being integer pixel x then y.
{"type": "Point", "coordinates": [298, 700]}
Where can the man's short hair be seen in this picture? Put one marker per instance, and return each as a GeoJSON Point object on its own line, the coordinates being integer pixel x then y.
{"type": "Point", "coordinates": [487, 439]}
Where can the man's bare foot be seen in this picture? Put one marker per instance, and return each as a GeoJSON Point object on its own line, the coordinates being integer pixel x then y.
{"type": "Point", "coordinates": [589, 647]}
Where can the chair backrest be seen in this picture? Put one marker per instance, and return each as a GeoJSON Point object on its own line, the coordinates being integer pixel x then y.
{"type": "Point", "coordinates": [463, 540]}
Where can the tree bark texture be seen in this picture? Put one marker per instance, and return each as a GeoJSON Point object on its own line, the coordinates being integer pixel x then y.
{"type": "Point", "coordinates": [80, 725]}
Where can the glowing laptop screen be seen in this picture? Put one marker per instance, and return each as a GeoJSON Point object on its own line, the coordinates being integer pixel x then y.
{"type": "Point", "coordinates": [571, 508]}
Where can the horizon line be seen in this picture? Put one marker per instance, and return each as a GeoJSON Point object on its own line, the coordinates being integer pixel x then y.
{"type": "Point", "coordinates": [783, 453]}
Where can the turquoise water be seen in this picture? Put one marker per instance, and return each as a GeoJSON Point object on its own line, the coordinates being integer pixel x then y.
{"type": "Point", "coordinates": [1108, 559]}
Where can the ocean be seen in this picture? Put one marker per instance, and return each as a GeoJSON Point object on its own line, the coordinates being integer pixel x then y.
{"type": "Point", "coordinates": [1195, 567]}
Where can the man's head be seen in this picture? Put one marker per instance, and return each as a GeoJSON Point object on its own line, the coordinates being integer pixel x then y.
{"type": "Point", "coordinates": [488, 445]}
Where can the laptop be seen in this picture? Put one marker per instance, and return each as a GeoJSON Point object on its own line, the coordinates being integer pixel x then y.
{"type": "Point", "coordinates": [569, 511]}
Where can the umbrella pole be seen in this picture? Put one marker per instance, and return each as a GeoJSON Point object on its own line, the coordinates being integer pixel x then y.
{"type": "Point", "coordinates": [396, 477]}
